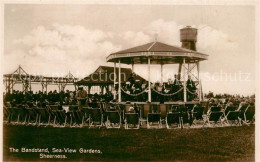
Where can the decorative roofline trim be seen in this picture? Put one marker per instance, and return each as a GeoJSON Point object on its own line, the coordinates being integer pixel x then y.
{"type": "Point", "coordinates": [147, 54]}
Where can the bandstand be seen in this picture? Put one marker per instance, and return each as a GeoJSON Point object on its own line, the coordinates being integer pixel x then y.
{"type": "Point", "coordinates": [186, 57]}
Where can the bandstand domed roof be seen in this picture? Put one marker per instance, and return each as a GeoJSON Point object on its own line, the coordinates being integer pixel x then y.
{"type": "Point", "coordinates": [159, 53]}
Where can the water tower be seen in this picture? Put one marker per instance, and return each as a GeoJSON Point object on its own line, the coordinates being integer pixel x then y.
{"type": "Point", "coordinates": [188, 36]}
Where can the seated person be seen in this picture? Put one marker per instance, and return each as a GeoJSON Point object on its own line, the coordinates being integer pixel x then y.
{"type": "Point", "coordinates": [155, 110]}
{"type": "Point", "coordinates": [29, 104]}
{"type": "Point", "coordinates": [159, 87]}
{"type": "Point", "coordinates": [13, 103]}
{"type": "Point", "coordinates": [7, 104]}
{"type": "Point", "coordinates": [44, 104]}
{"type": "Point", "coordinates": [131, 109]}
{"type": "Point", "coordinates": [112, 107]}
{"type": "Point", "coordinates": [66, 101]}
{"type": "Point", "coordinates": [93, 102]}
{"type": "Point", "coordinates": [136, 109]}
{"type": "Point", "coordinates": [168, 86]}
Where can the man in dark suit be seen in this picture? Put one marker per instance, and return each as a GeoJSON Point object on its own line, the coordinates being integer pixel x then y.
{"type": "Point", "coordinates": [192, 88]}
{"type": "Point", "coordinates": [128, 90]}
{"type": "Point", "coordinates": [168, 89]}
{"type": "Point", "coordinates": [131, 79]}
{"type": "Point", "coordinates": [176, 87]}
{"type": "Point", "coordinates": [137, 87]}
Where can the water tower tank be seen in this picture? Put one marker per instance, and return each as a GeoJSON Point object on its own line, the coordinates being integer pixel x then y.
{"type": "Point", "coordinates": [188, 36]}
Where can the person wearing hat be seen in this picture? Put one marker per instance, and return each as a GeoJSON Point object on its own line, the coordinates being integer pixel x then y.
{"type": "Point", "coordinates": [81, 96]}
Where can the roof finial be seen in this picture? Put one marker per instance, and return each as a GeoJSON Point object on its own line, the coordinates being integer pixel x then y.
{"type": "Point", "coordinates": [155, 37]}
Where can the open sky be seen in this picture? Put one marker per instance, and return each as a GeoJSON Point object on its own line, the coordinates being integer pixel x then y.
{"type": "Point", "coordinates": [55, 39]}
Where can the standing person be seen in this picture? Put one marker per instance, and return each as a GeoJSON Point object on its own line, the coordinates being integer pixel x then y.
{"type": "Point", "coordinates": [131, 79]}
{"type": "Point", "coordinates": [176, 87]}
{"type": "Point", "coordinates": [168, 89]}
{"type": "Point", "coordinates": [138, 89]}
{"type": "Point", "coordinates": [128, 89]}
{"type": "Point", "coordinates": [191, 87]}
{"type": "Point", "coordinates": [81, 96]}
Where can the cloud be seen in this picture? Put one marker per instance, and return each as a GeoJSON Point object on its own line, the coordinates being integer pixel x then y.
{"type": "Point", "coordinates": [210, 39]}
{"type": "Point", "coordinates": [63, 48]}
{"type": "Point", "coordinates": [40, 37]}
{"type": "Point", "coordinates": [167, 31]}
{"type": "Point", "coordinates": [137, 38]}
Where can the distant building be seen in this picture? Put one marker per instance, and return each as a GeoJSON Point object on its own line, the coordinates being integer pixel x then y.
{"type": "Point", "coordinates": [103, 78]}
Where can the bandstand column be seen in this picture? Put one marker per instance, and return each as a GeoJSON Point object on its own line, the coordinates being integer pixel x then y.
{"type": "Point", "coordinates": [179, 71]}
{"type": "Point", "coordinates": [161, 73]}
{"type": "Point", "coordinates": [184, 81]}
{"type": "Point", "coordinates": [46, 88]}
{"type": "Point", "coordinates": [89, 88]}
{"type": "Point", "coordinates": [12, 86]}
{"type": "Point", "coordinates": [119, 81]}
{"type": "Point", "coordinates": [6, 86]}
{"type": "Point", "coordinates": [133, 67]}
{"type": "Point", "coordinates": [199, 86]}
{"type": "Point", "coordinates": [30, 85]}
{"type": "Point", "coordinates": [114, 79]}
{"type": "Point", "coordinates": [22, 86]}
{"type": "Point", "coordinates": [102, 89]}
{"type": "Point", "coordinates": [188, 69]}
{"type": "Point", "coordinates": [149, 82]}
{"type": "Point", "coordinates": [59, 86]}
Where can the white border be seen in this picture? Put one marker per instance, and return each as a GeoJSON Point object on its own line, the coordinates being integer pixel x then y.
{"type": "Point", "coordinates": [146, 2]}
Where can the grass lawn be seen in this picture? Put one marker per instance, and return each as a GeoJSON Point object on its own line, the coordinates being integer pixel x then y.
{"type": "Point", "coordinates": [208, 144]}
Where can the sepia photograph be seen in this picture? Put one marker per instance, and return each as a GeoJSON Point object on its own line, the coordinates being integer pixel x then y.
{"type": "Point", "coordinates": [129, 80]}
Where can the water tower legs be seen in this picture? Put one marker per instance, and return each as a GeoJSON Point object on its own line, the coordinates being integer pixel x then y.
{"type": "Point", "coordinates": [192, 70]}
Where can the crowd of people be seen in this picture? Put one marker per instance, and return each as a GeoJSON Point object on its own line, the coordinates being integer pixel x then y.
{"type": "Point", "coordinates": [42, 99]}
{"type": "Point", "coordinates": [236, 101]}
{"type": "Point", "coordinates": [136, 90]}
{"type": "Point", "coordinates": [132, 90]}
{"type": "Point", "coordinates": [82, 99]}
